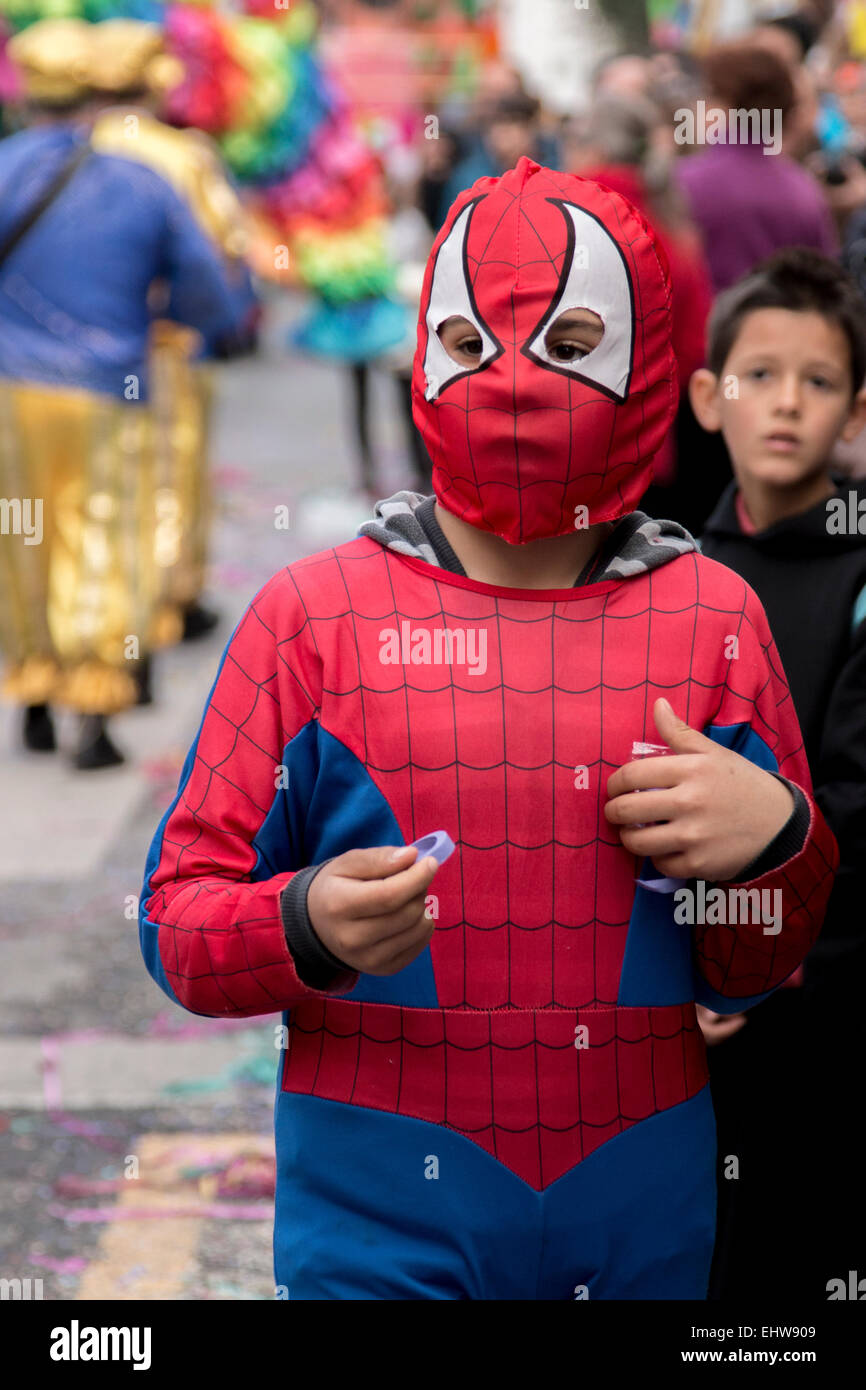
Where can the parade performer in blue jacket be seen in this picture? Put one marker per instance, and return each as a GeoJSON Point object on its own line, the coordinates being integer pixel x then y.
{"type": "Point", "coordinates": [84, 238]}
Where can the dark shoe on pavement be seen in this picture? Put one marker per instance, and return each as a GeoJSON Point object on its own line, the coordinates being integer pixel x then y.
{"type": "Point", "coordinates": [197, 620]}
{"type": "Point", "coordinates": [38, 731]}
{"type": "Point", "coordinates": [142, 679]}
{"type": "Point", "coordinates": [95, 748]}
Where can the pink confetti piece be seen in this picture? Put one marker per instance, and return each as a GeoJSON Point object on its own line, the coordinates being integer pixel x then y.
{"type": "Point", "coordinates": [73, 1264]}
{"type": "Point", "coordinates": [81, 1035]}
{"type": "Point", "coordinates": [159, 770]}
{"type": "Point", "coordinates": [172, 1025]}
{"type": "Point", "coordinates": [224, 1211]}
{"type": "Point", "coordinates": [85, 1130]}
{"type": "Point", "coordinates": [52, 1091]}
{"type": "Point", "coordinates": [227, 475]}
{"type": "Point", "coordinates": [75, 1185]}
{"type": "Point", "coordinates": [232, 576]}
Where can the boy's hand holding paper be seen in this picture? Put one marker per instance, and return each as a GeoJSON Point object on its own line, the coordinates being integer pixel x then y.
{"type": "Point", "coordinates": [702, 811]}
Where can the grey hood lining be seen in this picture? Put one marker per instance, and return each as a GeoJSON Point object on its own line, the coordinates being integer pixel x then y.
{"type": "Point", "coordinates": [637, 544]}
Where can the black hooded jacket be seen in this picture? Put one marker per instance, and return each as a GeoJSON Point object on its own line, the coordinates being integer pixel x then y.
{"type": "Point", "coordinates": [812, 583]}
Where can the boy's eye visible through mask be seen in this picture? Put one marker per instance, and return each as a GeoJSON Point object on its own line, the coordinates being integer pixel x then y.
{"type": "Point", "coordinates": [461, 340]}
{"type": "Point", "coordinates": [574, 335]}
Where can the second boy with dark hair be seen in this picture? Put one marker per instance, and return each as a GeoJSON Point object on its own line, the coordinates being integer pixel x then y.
{"type": "Point", "coordinates": [787, 353]}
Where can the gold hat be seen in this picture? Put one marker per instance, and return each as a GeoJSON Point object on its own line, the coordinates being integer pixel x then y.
{"type": "Point", "coordinates": [125, 55]}
{"type": "Point", "coordinates": [53, 59]}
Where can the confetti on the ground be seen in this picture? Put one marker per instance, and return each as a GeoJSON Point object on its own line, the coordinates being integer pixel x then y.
{"type": "Point", "coordinates": [73, 1264]}
{"type": "Point", "coordinates": [220, 1211]}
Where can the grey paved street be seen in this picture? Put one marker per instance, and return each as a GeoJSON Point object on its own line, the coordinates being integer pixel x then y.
{"type": "Point", "coordinates": [135, 1139]}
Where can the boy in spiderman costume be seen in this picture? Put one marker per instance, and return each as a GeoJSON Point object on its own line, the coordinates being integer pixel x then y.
{"type": "Point", "coordinates": [498, 1089]}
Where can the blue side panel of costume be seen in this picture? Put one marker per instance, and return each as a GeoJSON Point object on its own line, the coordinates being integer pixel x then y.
{"type": "Point", "coordinates": [376, 1206]}
{"type": "Point", "coordinates": [657, 965]}
{"type": "Point", "coordinates": [331, 804]}
{"type": "Point", "coordinates": [743, 740]}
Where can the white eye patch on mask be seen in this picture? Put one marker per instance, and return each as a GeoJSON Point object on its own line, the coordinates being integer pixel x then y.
{"type": "Point", "coordinates": [451, 295]}
{"type": "Point", "coordinates": [595, 276]}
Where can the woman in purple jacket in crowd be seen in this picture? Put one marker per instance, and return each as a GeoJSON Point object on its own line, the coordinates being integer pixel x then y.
{"type": "Point", "coordinates": [748, 199]}
{"type": "Point", "coordinates": [745, 194]}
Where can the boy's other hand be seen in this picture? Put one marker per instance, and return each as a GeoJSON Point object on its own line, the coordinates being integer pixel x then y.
{"type": "Point", "coordinates": [719, 811]}
{"type": "Point", "coordinates": [716, 1027]}
{"type": "Point", "coordinates": [367, 907]}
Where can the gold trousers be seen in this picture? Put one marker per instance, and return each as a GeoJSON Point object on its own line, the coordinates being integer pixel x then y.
{"type": "Point", "coordinates": [181, 397]}
{"type": "Point", "coordinates": [78, 595]}
{"type": "Point", "coordinates": [104, 523]}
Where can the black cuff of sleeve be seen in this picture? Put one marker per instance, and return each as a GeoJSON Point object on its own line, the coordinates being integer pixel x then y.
{"type": "Point", "coordinates": [784, 846]}
{"type": "Point", "coordinates": [316, 966]}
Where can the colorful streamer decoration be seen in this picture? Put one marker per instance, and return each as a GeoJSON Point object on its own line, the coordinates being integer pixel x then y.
{"type": "Point", "coordinates": [252, 79]}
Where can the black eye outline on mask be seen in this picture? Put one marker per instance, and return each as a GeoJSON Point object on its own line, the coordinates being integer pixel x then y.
{"type": "Point", "coordinates": [457, 239]}
{"type": "Point", "coordinates": [551, 313]}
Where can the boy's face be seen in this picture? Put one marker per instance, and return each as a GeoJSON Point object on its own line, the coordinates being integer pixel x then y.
{"type": "Point", "coordinates": [784, 396]}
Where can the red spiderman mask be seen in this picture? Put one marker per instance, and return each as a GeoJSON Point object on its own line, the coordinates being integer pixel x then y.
{"type": "Point", "coordinates": [525, 444]}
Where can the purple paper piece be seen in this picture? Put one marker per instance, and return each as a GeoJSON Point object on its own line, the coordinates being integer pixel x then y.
{"type": "Point", "coordinates": [662, 885]}
{"type": "Point", "coordinates": [437, 845]}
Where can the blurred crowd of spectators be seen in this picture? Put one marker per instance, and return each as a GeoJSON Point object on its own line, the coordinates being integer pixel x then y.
{"type": "Point", "coordinates": [719, 208]}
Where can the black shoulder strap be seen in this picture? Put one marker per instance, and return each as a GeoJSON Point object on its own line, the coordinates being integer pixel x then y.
{"type": "Point", "coordinates": [43, 202]}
